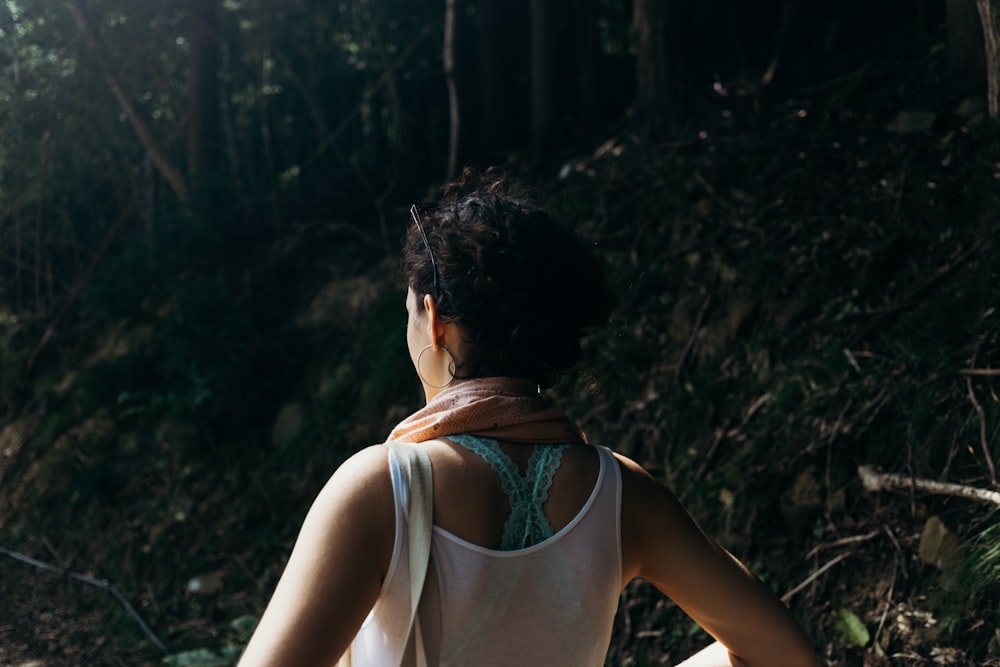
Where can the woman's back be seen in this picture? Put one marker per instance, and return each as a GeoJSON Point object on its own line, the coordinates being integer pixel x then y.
{"type": "Point", "coordinates": [551, 603]}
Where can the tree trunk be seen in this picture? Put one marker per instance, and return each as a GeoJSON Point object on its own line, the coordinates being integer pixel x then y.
{"type": "Point", "coordinates": [498, 89]}
{"type": "Point", "coordinates": [203, 145]}
{"type": "Point", "coordinates": [39, 221]}
{"type": "Point", "coordinates": [448, 55]}
{"type": "Point", "coordinates": [586, 49]}
{"type": "Point", "coordinates": [170, 173]}
{"type": "Point", "coordinates": [542, 74]}
{"type": "Point", "coordinates": [658, 85]}
{"type": "Point", "coordinates": [989, 14]}
{"type": "Point", "coordinates": [966, 55]}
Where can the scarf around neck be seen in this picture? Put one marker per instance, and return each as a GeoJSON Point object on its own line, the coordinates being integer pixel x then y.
{"type": "Point", "coordinates": [497, 407]}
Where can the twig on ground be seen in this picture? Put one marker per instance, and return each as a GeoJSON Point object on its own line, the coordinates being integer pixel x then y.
{"type": "Point", "coordinates": [695, 330]}
{"type": "Point", "coordinates": [813, 577]}
{"type": "Point", "coordinates": [711, 191]}
{"type": "Point", "coordinates": [896, 544]}
{"type": "Point", "coordinates": [877, 481]}
{"type": "Point", "coordinates": [853, 539]}
{"type": "Point", "coordinates": [888, 601]}
{"type": "Point", "coordinates": [99, 583]}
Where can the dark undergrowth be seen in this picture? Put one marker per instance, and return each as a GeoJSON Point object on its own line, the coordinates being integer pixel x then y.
{"type": "Point", "coordinates": [806, 286]}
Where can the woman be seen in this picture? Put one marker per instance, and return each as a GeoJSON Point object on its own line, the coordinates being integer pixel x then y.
{"type": "Point", "coordinates": [535, 532]}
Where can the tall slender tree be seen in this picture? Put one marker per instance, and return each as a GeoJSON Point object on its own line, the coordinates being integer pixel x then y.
{"type": "Point", "coordinates": [203, 122]}
{"type": "Point", "coordinates": [966, 56]}
{"type": "Point", "coordinates": [989, 14]}
{"type": "Point", "coordinates": [586, 59]}
{"type": "Point", "coordinates": [658, 83]}
{"type": "Point", "coordinates": [448, 56]}
{"type": "Point", "coordinates": [499, 65]}
{"type": "Point", "coordinates": [543, 74]}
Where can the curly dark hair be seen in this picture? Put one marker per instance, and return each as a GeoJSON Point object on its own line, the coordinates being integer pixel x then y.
{"type": "Point", "coordinates": [522, 286]}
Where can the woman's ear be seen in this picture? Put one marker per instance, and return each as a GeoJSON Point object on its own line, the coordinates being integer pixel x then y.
{"type": "Point", "coordinates": [435, 327]}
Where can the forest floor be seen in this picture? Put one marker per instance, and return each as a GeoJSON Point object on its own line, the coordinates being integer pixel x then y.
{"type": "Point", "coordinates": [806, 285]}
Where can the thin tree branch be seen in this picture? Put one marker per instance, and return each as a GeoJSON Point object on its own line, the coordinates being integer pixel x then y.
{"type": "Point", "coordinates": [695, 331]}
{"type": "Point", "coordinates": [379, 83]}
{"type": "Point", "coordinates": [77, 288]}
{"type": "Point", "coordinates": [876, 481]}
{"type": "Point", "coordinates": [983, 444]}
{"type": "Point", "coordinates": [170, 173]}
{"type": "Point", "coordinates": [91, 581]}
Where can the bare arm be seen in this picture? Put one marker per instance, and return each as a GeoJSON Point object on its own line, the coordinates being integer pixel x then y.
{"type": "Point", "coordinates": [335, 571]}
{"type": "Point", "coordinates": [662, 544]}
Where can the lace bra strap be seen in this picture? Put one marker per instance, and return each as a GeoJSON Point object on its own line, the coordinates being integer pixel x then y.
{"type": "Point", "coordinates": [527, 523]}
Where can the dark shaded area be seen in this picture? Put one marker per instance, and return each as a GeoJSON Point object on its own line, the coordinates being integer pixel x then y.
{"type": "Point", "coordinates": [805, 261]}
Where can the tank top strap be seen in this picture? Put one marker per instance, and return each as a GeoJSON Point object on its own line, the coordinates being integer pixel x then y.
{"type": "Point", "coordinates": [527, 523]}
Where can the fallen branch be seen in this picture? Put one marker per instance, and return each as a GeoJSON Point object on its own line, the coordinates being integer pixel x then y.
{"type": "Point", "coordinates": [877, 481]}
{"type": "Point", "coordinates": [986, 372]}
{"type": "Point", "coordinates": [99, 583]}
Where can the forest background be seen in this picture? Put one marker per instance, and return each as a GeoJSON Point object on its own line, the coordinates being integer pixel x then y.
{"type": "Point", "coordinates": [201, 203]}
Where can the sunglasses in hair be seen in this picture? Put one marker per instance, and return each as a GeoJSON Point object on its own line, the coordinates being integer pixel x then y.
{"type": "Point", "coordinates": [416, 220]}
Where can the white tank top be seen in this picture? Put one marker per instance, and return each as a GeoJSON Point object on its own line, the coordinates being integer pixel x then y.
{"type": "Point", "coordinates": [550, 604]}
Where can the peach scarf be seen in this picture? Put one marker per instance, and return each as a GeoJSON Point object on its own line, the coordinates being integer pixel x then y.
{"type": "Point", "coordinates": [496, 407]}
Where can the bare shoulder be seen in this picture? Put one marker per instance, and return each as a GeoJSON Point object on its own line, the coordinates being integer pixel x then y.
{"type": "Point", "coordinates": [362, 483]}
{"type": "Point", "coordinates": [335, 571]}
{"type": "Point", "coordinates": [649, 512]}
{"type": "Point", "coordinates": [643, 496]}
{"type": "Point", "coordinates": [369, 465]}
{"type": "Point", "coordinates": [356, 503]}
{"type": "Point", "coordinates": [632, 472]}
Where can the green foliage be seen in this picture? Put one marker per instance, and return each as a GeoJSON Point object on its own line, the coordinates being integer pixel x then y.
{"type": "Point", "coordinates": [852, 628]}
{"type": "Point", "coordinates": [986, 554]}
{"type": "Point", "coordinates": [388, 371]}
{"type": "Point", "coordinates": [241, 627]}
{"type": "Point", "coordinates": [13, 354]}
{"type": "Point", "coordinates": [203, 657]}
{"type": "Point", "coordinates": [211, 335]}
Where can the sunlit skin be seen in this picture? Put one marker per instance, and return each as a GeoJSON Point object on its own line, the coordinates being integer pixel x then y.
{"type": "Point", "coordinates": [336, 569]}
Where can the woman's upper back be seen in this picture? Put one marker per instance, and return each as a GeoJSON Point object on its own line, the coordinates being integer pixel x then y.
{"type": "Point", "coordinates": [469, 497]}
{"type": "Point", "coordinates": [556, 599]}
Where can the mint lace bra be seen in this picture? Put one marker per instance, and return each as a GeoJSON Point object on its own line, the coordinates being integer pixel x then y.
{"type": "Point", "coordinates": [527, 524]}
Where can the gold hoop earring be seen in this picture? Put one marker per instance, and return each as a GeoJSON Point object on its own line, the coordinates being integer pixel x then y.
{"type": "Point", "coordinates": [451, 367]}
